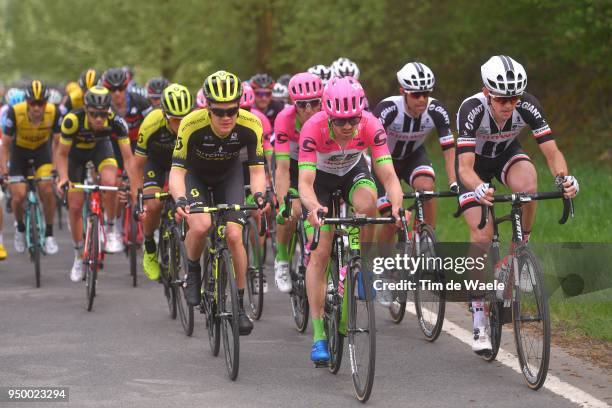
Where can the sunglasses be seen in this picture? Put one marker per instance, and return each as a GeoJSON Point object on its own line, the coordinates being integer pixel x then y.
{"type": "Point", "coordinates": [418, 95]}
{"type": "Point", "coordinates": [313, 103]}
{"type": "Point", "coordinates": [502, 100]}
{"type": "Point", "coordinates": [116, 89]}
{"type": "Point", "coordinates": [341, 122]}
{"type": "Point", "coordinates": [224, 112]}
{"type": "Point", "coordinates": [263, 93]}
{"type": "Point", "coordinates": [37, 103]}
{"type": "Point", "coordinates": [98, 114]}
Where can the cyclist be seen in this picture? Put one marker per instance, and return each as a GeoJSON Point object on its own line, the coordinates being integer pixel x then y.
{"type": "Point", "coordinates": [155, 87]}
{"type": "Point", "coordinates": [408, 118]}
{"type": "Point", "coordinates": [153, 159]}
{"type": "Point", "coordinates": [322, 71]}
{"type": "Point", "coordinates": [280, 93]}
{"type": "Point", "coordinates": [85, 137]}
{"type": "Point", "coordinates": [262, 85]}
{"type": "Point", "coordinates": [207, 155]}
{"type": "Point", "coordinates": [332, 143]}
{"type": "Point", "coordinates": [487, 146]}
{"type": "Point", "coordinates": [28, 129]}
{"type": "Point", "coordinates": [132, 108]}
{"type": "Point", "coordinates": [200, 99]}
{"type": "Point", "coordinates": [305, 91]}
{"type": "Point", "coordinates": [74, 96]}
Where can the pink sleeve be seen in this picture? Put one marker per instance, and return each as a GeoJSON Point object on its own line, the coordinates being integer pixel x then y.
{"type": "Point", "coordinates": [376, 137]}
{"type": "Point", "coordinates": [308, 145]}
{"type": "Point", "coordinates": [281, 135]}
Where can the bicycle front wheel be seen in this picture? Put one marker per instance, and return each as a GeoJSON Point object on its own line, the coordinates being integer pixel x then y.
{"type": "Point", "coordinates": [227, 296]}
{"type": "Point", "coordinates": [210, 305]}
{"type": "Point", "coordinates": [299, 300]}
{"type": "Point", "coordinates": [254, 273]}
{"type": "Point", "coordinates": [531, 319]}
{"type": "Point", "coordinates": [35, 240]}
{"type": "Point", "coordinates": [91, 260]}
{"type": "Point", "coordinates": [361, 331]}
{"type": "Point", "coordinates": [430, 293]}
{"type": "Point", "coordinates": [168, 272]}
{"type": "Point", "coordinates": [132, 246]}
{"type": "Point", "coordinates": [178, 258]}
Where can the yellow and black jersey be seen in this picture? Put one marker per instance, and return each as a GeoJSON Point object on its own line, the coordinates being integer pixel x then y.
{"type": "Point", "coordinates": [76, 130]}
{"type": "Point", "coordinates": [27, 135]}
{"type": "Point", "coordinates": [202, 152]}
{"type": "Point", "coordinates": [155, 139]}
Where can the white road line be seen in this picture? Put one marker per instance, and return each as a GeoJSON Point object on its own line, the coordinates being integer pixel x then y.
{"type": "Point", "coordinates": [553, 383]}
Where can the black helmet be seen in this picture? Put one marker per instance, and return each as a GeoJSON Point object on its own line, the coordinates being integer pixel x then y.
{"type": "Point", "coordinates": [284, 79]}
{"type": "Point", "coordinates": [36, 91]}
{"type": "Point", "coordinates": [89, 78]}
{"type": "Point", "coordinates": [115, 78]}
{"type": "Point", "coordinates": [261, 81]}
{"type": "Point", "coordinates": [98, 97]}
{"type": "Point", "coordinates": [156, 86]}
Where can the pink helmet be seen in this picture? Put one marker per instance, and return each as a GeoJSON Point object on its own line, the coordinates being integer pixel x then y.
{"type": "Point", "coordinates": [248, 96]}
{"type": "Point", "coordinates": [305, 86]}
{"type": "Point", "coordinates": [343, 97]}
{"type": "Point", "coordinates": [201, 99]}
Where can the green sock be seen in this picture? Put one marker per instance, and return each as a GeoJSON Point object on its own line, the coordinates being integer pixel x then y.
{"type": "Point", "coordinates": [318, 331]}
{"type": "Point", "coordinates": [281, 252]}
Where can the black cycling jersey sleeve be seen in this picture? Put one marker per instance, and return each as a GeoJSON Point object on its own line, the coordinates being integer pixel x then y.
{"type": "Point", "coordinates": [469, 118]}
{"type": "Point", "coordinates": [386, 112]}
{"type": "Point", "coordinates": [10, 125]}
{"type": "Point", "coordinates": [441, 120]}
{"type": "Point", "coordinates": [531, 111]}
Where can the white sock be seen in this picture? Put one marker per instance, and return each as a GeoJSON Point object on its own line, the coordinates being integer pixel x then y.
{"type": "Point", "coordinates": [78, 250]}
{"type": "Point", "coordinates": [479, 317]}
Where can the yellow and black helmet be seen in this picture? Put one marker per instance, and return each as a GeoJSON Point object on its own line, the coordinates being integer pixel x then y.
{"type": "Point", "coordinates": [222, 86]}
{"type": "Point", "coordinates": [89, 78]}
{"type": "Point", "coordinates": [37, 91]}
{"type": "Point", "coordinates": [98, 97]}
{"type": "Point", "coordinates": [176, 100]}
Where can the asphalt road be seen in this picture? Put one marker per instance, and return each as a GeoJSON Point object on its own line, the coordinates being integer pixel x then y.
{"type": "Point", "coordinates": [127, 352]}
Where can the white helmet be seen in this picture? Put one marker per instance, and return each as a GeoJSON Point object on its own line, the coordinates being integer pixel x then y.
{"type": "Point", "coordinates": [504, 76]}
{"type": "Point", "coordinates": [416, 77]}
{"type": "Point", "coordinates": [280, 91]}
{"type": "Point", "coordinates": [343, 67]}
{"type": "Point", "coordinates": [55, 97]}
{"type": "Point", "coordinates": [322, 71]}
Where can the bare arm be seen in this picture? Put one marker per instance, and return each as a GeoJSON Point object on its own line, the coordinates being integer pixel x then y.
{"type": "Point", "coordinates": [176, 182]}
{"type": "Point", "coordinates": [449, 164]}
{"type": "Point", "coordinates": [282, 179]}
{"type": "Point", "coordinates": [554, 158]}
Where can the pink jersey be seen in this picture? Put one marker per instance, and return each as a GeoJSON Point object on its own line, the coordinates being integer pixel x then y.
{"type": "Point", "coordinates": [287, 134]}
{"type": "Point", "coordinates": [267, 130]}
{"type": "Point", "coordinates": [319, 149]}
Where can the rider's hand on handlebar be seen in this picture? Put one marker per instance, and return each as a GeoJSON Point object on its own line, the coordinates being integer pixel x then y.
{"type": "Point", "coordinates": [313, 216]}
{"type": "Point", "coordinates": [484, 194]}
{"type": "Point", "coordinates": [570, 186]}
{"type": "Point", "coordinates": [182, 209]}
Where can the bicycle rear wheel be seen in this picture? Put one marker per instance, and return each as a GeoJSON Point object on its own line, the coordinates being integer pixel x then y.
{"type": "Point", "coordinates": [430, 303]}
{"type": "Point", "coordinates": [299, 300]}
{"type": "Point", "coordinates": [495, 309]}
{"type": "Point", "coordinates": [35, 242]}
{"type": "Point", "coordinates": [531, 319]}
{"type": "Point", "coordinates": [210, 305]}
{"type": "Point", "coordinates": [178, 258]}
{"type": "Point", "coordinates": [254, 273]}
{"type": "Point", "coordinates": [91, 261]}
{"type": "Point", "coordinates": [228, 307]}
{"type": "Point", "coordinates": [361, 331]}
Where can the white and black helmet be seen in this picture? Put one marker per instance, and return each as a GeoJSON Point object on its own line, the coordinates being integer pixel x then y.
{"type": "Point", "coordinates": [322, 71]}
{"type": "Point", "coordinates": [280, 91]}
{"type": "Point", "coordinates": [343, 67]}
{"type": "Point", "coordinates": [416, 77]}
{"type": "Point", "coordinates": [504, 76]}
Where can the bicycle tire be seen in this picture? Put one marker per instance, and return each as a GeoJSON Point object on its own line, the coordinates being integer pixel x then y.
{"type": "Point", "coordinates": [132, 246]}
{"type": "Point", "coordinates": [526, 294]}
{"type": "Point", "coordinates": [213, 323]}
{"type": "Point", "coordinates": [299, 298]}
{"type": "Point", "coordinates": [430, 308]}
{"type": "Point", "coordinates": [34, 237]}
{"type": "Point", "coordinates": [495, 324]}
{"type": "Point", "coordinates": [331, 324]}
{"type": "Point", "coordinates": [167, 271]}
{"type": "Point", "coordinates": [178, 258]}
{"type": "Point", "coordinates": [397, 309]}
{"type": "Point", "coordinates": [254, 272]}
{"type": "Point", "coordinates": [228, 306]}
{"type": "Point", "coordinates": [361, 306]}
{"type": "Point", "coordinates": [91, 263]}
